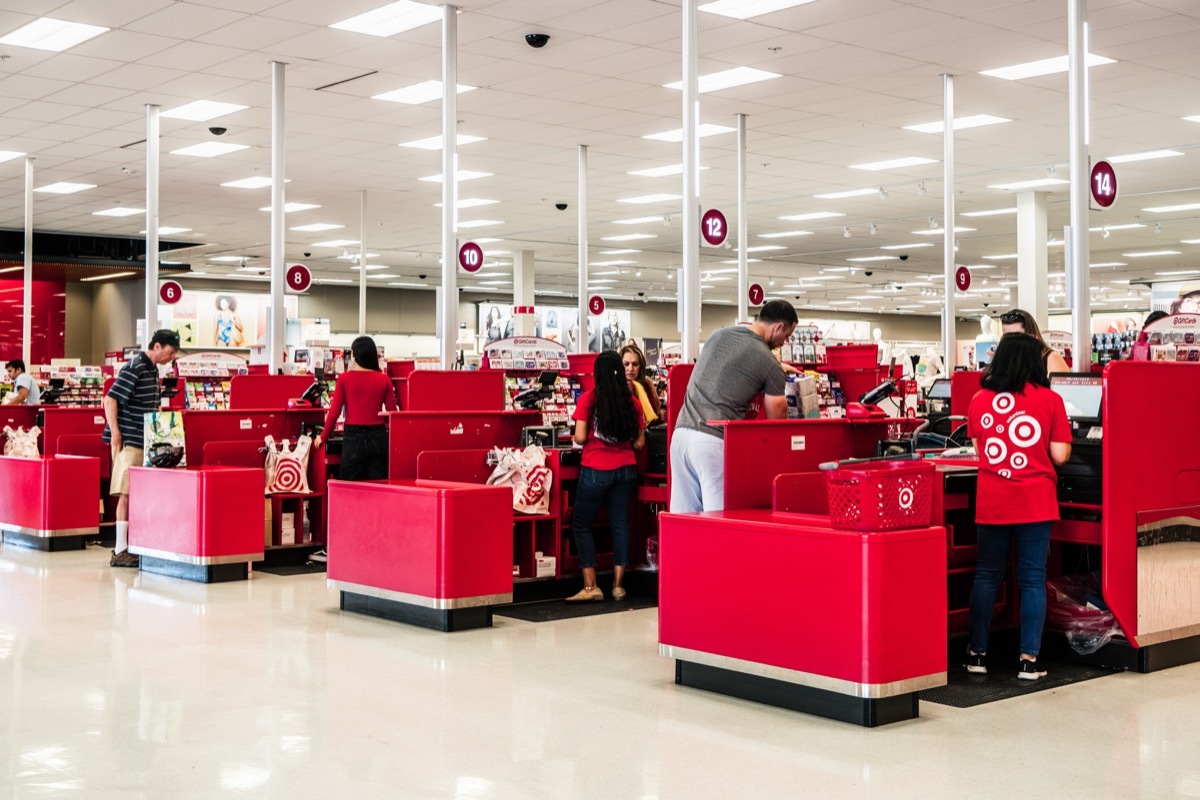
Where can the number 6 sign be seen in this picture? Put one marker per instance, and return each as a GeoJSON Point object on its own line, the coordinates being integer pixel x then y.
{"type": "Point", "coordinates": [170, 292]}
{"type": "Point", "coordinates": [298, 278]}
{"type": "Point", "coordinates": [713, 228]}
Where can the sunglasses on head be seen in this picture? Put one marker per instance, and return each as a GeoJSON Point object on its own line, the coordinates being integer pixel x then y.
{"type": "Point", "coordinates": [1012, 317]}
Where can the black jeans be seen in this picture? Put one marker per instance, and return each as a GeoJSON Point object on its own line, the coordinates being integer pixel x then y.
{"type": "Point", "coordinates": [364, 453]}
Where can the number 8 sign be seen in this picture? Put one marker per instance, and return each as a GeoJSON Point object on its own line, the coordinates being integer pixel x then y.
{"type": "Point", "coordinates": [298, 278]}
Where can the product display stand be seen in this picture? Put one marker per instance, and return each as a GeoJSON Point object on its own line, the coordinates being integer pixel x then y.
{"type": "Point", "coordinates": [49, 503]}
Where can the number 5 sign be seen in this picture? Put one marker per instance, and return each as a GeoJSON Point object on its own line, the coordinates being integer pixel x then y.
{"type": "Point", "coordinates": [298, 278]}
{"type": "Point", "coordinates": [713, 228]}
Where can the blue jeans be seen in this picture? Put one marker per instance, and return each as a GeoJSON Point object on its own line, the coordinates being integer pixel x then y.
{"type": "Point", "coordinates": [595, 487]}
{"type": "Point", "coordinates": [1033, 548]}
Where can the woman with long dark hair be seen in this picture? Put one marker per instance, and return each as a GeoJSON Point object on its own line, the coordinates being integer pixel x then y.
{"type": "Point", "coordinates": [610, 426]}
{"type": "Point", "coordinates": [634, 362]}
{"type": "Point", "coordinates": [364, 392]}
{"type": "Point", "coordinates": [1021, 432]}
{"type": "Point", "coordinates": [1021, 321]}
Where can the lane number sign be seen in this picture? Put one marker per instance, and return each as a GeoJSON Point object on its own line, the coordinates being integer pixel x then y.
{"type": "Point", "coordinates": [1104, 184]}
{"type": "Point", "coordinates": [298, 278]}
{"type": "Point", "coordinates": [756, 294]}
{"type": "Point", "coordinates": [962, 279]}
{"type": "Point", "coordinates": [470, 257]}
{"type": "Point", "coordinates": [713, 228]}
{"type": "Point", "coordinates": [596, 305]}
{"type": "Point", "coordinates": [170, 292]}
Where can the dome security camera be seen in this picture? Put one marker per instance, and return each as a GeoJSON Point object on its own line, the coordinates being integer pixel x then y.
{"type": "Point", "coordinates": [868, 273]}
{"type": "Point", "coordinates": [985, 305]}
{"type": "Point", "coordinates": [561, 206]}
{"type": "Point", "coordinates": [904, 256]}
{"type": "Point", "coordinates": [307, 254]}
{"type": "Point", "coordinates": [641, 294]}
{"type": "Point", "coordinates": [217, 130]}
{"type": "Point", "coordinates": [537, 40]}
{"type": "Point", "coordinates": [421, 276]}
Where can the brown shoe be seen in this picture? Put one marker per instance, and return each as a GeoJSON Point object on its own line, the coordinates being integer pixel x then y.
{"type": "Point", "coordinates": [123, 559]}
{"type": "Point", "coordinates": [587, 595]}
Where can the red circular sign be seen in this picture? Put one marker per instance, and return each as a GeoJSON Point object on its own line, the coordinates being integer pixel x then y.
{"type": "Point", "coordinates": [298, 278]}
{"type": "Point", "coordinates": [962, 278]}
{"type": "Point", "coordinates": [596, 305]}
{"type": "Point", "coordinates": [170, 292]}
{"type": "Point", "coordinates": [1104, 184]}
{"type": "Point", "coordinates": [470, 257]}
{"type": "Point", "coordinates": [756, 295]}
{"type": "Point", "coordinates": [713, 227]}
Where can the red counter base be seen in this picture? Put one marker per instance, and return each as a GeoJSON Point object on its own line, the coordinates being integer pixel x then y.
{"type": "Point", "coordinates": [50, 503]}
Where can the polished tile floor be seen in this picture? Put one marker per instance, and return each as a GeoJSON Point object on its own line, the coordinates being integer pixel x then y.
{"type": "Point", "coordinates": [120, 685]}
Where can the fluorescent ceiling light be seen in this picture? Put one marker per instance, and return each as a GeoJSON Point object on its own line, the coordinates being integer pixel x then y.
{"type": "Point", "coordinates": [748, 261]}
{"type": "Point", "coordinates": [258, 268]}
{"type": "Point", "coordinates": [1170, 209]}
{"type": "Point", "coordinates": [628, 237]}
{"type": "Point", "coordinates": [1148, 155]}
{"type": "Point", "coordinates": [51, 34]}
{"type": "Point", "coordinates": [479, 223]}
{"type": "Point", "coordinates": [727, 79]}
{"type": "Point", "coordinates": [1034, 184]}
{"type": "Point", "coordinates": [1047, 66]}
{"type": "Point", "coordinates": [661, 172]}
{"type": "Point", "coordinates": [107, 277]}
{"type": "Point", "coordinates": [257, 182]}
{"type": "Point", "coordinates": [638, 220]}
{"type": "Point", "coordinates": [1110, 264]}
{"type": "Point", "coordinates": [167, 230]}
{"type": "Point", "coordinates": [894, 163]}
{"type": "Point", "coordinates": [847, 193]}
{"type": "Point", "coordinates": [1189, 241]}
{"type": "Point", "coordinates": [334, 280]}
{"type": "Point", "coordinates": [1124, 227]}
{"type": "Point", "coordinates": [370, 267]}
{"type": "Point", "coordinates": [1005, 257]}
{"type": "Point", "coordinates": [993, 212]}
{"type": "Point", "coordinates": [227, 258]}
{"type": "Point", "coordinates": [403, 15]}
{"type": "Point", "coordinates": [762, 248]}
{"type": "Point", "coordinates": [459, 177]}
{"type": "Point", "coordinates": [717, 279]}
{"type": "Point", "coordinates": [317, 227]}
{"type": "Point", "coordinates": [703, 130]}
{"type": "Point", "coordinates": [811, 216]}
{"type": "Point", "coordinates": [649, 198]}
{"type": "Point", "coordinates": [472, 202]}
{"type": "Point", "coordinates": [976, 266]}
{"type": "Point", "coordinates": [435, 142]}
{"type": "Point", "coordinates": [602, 280]}
{"type": "Point", "coordinates": [940, 231]}
{"type": "Point", "coordinates": [906, 246]}
{"type": "Point", "coordinates": [1148, 253]}
{"type": "Point", "coordinates": [1176, 272]}
{"type": "Point", "coordinates": [288, 208]}
{"type": "Point", "coordinates": [419, 93]}
{"type": "Point", "coordinates": [64, 187]}
{"type": "Point", "coordinates": [336, 243]}
{"type": "Point", "coordinates": [9, 155]}
{"type": "Point", "coordinates": [202, 110]}
{"type": "Point", "coordinates": [960, 123]}
{"type": "Point", "coordinates": [618, 252]}
{"type": "Point", "coordinates": [409, 285]}
{"type": "Point", "coordinates": [487, 240]}
{"type": "Point", "coordinates": [119, 211]}
{"type": "Point", "coordinates": [745, 9]}
{"type": "Point", "coordinates": [875, 258]}
{"type": "Point", "coordinates": [190, 275]}
{"type": "Point", "coordinates": [614, 263]}
{"type": "Point", "coordinates": [784, 234]}
{"type": "Point", "coordinates": [381, 277]}
{"type": "Point", "coordinates": [210, 149]}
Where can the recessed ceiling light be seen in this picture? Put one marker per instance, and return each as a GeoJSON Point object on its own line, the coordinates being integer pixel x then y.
{"type": "Point", "coordinates": [960, 123]}
{"type": "Point", "coordinates": [419, 93]}
{"type": "Point", "coordinates": [167, 230]}
{"type": "Point", "coordinates": [894, 163]}
{"type": "Point", "coordinates": [435, 142]}
{"type": "Point", "coordinates": [992, 212]}
{"type": "Point", "coordinates": [202, 110]}
{"type": "Point", "coordinates": [227, 259]}
{"type": "Point", "coordinates": [703, 130]}
{"type": "Point", "coordinates": [784, 234]}
{"type": "Point", "coordinates": [370, 267]}
{"type": "Point", "coordinates": [403, 15]}
{"type": "Point", "coordinates": [875, 258]}
{"type": "Point", "coordinates": [257, 182]}
{"type": "Point", "coordinates": [811, 216]}
{"type": "Point", "coordinates": [471, 202]}
{"type": "Point", "coordinates": [649, 198]}
{"type": "Point", "coordinates": [51, 34]}
{"type": "Point", "coordinates": [110, 276]}
{"type": "Point", "coordinates": [1004, 257]}
{"type": "Point", "coordinates": [479, 223]}
{"type": "Point", "coordinates": [210, 149]}
{"type": "Point", "coordinates": [119, 211]}
{"type": "Point", "coordinates": [459, 177]}
{"type": "Point", "coordinates": [940, 231]}
{"type": "Point", "coordinates": [1171, 209]}
{"type": "Point", "coordinates": [64, 187]}
{"type": "Point", "coordinates": [727, 79]}
{"type": "Point", "coordinates": [748, 261]}
{"type": "Point", "coordinates": [745, 9]}
{"type": "Point", "coordinates": [354, 257]}
{"type": "Point", "coordinates": [317, 227]}
{"type": "Point", "coordinates": [288, 208]}
{"type": "Point", "coordinates": [1148, 253]}
{"type": "Point", "coordinates": [1125, 227]}
{"type": "Point", "coordinates": [9, 155]}
{"type": "Point", "coordinates": [1148, 155]}
{"type": "Point", "coordinates": [1047, 66]}
{"type": "Point", "coordinates": [336, 243]}
{"type": "Point", "coordinates": [602, 280]}
{"type": "Point", "coordinates": [628, 237]}
{"type": "Point", "coordinates": [762, 248]}
{"type": "Point", "coordinates": [1034, 184]}
{"type": "Point", "coordinates": [661, 172]}
{"type": "Point", "coordinates": [619, 262]}
{"type": "Point", "coordinates": [906, 246]}
{"type": "Point", "coordinates": [847, 193]}
{"type": "Point", "coordinates": [618, 252]}
{"type": "Point", "coordinates": [638, 220]}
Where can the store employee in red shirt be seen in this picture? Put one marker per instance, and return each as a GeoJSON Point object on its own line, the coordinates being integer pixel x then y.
{"type": "Point", "coordinates": [363, 392]}
{"type": "Point", "coordinates": [610, 426]}
{"type": "Point", "coordinates": [1021, 431]}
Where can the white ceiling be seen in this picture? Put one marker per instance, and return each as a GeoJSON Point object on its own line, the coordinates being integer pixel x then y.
{"type": "Point", "coordinates": [854, 73]}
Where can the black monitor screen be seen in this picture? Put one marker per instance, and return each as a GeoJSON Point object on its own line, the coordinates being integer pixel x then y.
{"type": "Point", "coordinates": [1080, 393]}
{"type": "Point", "coordinates": [940, 390]}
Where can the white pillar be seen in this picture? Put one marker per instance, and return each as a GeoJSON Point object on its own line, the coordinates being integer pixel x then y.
{"type": "Point", "coordinates": [27, 303]}
{"type": "Point", "coordinates": [448, 300]}
{"type": "Point", "coordinates": [153, 147]}
{"type": "Point", "coordinates": [275, 334]}
{"type": "Point", "coordinates": [949, 337]}
{"type": "Point", "coordinates": [1032, 256]}
{"type": "Point", "coordinates": [1080, 256]}
{"type": "Point", "coordinates": [523, 324]}
{"type": "Point", "coordinates": [362, 263]}
{"type": "Point", "coordinates": [581, 346]}
{"type": "Point", "coordinates": [743, 230]}
{"type": "Point", "coordinates": [689, 271]}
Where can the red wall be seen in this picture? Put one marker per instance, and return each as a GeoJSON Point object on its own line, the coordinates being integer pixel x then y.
{"type": "Point", "coordinates": [49, 313]}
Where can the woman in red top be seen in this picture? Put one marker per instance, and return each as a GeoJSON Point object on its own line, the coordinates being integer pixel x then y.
{"type": "Point", "coordinates": [1020, 429]}
{"type": "Point", "coordinates": [610, 426]}
{"type": "Point", "coordinates": [364, 392]}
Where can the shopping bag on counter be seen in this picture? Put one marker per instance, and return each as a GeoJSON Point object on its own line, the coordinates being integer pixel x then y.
{"type": "Point", "coordinates": [21, 443]}
{"type": "Point", "coordinates": [162, 428]}
{"type": "Point", "coordinates": [526, 472]}
{"type": "Point", "coordinates": [287, 468]}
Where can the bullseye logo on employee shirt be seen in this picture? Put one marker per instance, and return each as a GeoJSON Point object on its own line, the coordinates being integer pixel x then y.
{"type": "Point", "coordinates": [1006, 433]}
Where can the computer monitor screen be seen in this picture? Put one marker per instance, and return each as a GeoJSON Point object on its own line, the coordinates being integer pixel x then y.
{"type": "Point", "coordinates": [940, 390]}
{"type": "Point", "coordinates": [58, 383]}
{"type": "Point", "coordinates": [1080, 393]}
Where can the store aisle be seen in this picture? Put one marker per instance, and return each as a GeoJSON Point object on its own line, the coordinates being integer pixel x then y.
{"type": "Point", "coordinates": [120, 685]}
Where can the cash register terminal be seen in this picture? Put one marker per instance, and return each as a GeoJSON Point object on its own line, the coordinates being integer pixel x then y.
{"type": "Point", "coordinates": [1080, 480]}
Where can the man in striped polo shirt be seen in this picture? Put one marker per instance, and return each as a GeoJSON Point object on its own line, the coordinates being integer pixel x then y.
{"type": "Point", "coordinates": [134, 393]}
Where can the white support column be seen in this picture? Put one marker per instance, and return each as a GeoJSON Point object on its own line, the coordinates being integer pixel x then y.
{"type": "Point", "coordinates": [153, 147]}
{"type": "Point", "coordinates": [1080, 256]}
{"type": "Point", "coordinates": [448, 299]}
{"type": "Point", "coordinates": [1032, 256]}
{"type": "Point", "coordinates": [689, 271]}
{"type": "Point", "coordinates": [743, 230]}
{"type": "Point", "coordinates": [362, 263]}
{"type": "Point", "coordinates": [523, 324]}
{"type": "Point", "coordinates": [27, 302]}
{"type": "Point", "coordinates": [949, 336]}
{"type": "Point", "coordinates": [581, 346]}
{"type": "Point", "coordinates": [275, 334]}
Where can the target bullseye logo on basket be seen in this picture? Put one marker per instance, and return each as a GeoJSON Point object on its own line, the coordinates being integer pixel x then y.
{"type": "Point", "coordinates": [906, 498]}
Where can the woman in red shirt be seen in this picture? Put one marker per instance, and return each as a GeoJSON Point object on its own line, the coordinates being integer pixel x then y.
{"type": "Point", "coordinates": [610, 426]}
{"type": "Point", "coordinates": [1021, 431]}
{"type": "Point", "coordinates": [363, 392]}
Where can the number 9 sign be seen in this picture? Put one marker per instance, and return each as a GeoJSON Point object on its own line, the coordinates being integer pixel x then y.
{"type": "Point", "coordinates": [298, 278]}
{"type": "Point", "coordinates": [713, 228]}
{"type": "Point", "coordinates": [170, 292]}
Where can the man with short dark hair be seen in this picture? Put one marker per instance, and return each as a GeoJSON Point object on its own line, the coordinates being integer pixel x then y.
{"type": "Point", "coordinates": [735, 365]}
{"type": "Point", "coordinates": [135, 393]}
{"type": "Point", "coordinates": [25, 390]}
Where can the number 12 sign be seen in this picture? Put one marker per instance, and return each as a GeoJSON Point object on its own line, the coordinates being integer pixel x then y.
{"type": "Point", "coordinates": [1104, 184]}
{"type": "Point", "coordinates": [713, 228]}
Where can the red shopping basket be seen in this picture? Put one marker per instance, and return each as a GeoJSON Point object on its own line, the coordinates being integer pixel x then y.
{"type": "Point", "coordinates": [881, 495]}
